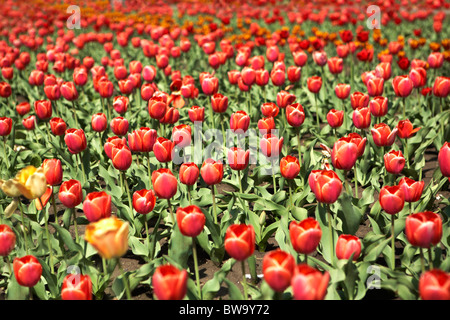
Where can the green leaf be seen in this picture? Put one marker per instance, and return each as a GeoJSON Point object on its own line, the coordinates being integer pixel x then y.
{"type": "Point", "coordinates": [212, 286]}
{"type": "Point", "coordinates": [233, 291]}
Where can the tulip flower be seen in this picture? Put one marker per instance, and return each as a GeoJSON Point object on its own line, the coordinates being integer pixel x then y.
{"type": "Point", "coordinates": [196, 113]}
{"type": "Point", "coordinates": [305, 235]}
{"type": "Point", "coordinates": [7, 240]}
{"type": "Point", "coordinates": [181, 135]}
{"type": "Point", "coordinates": [266, 125]}
{"type": "Point", "coordinates": [157, 106]}
{"type": "Point", "coordinates": [75, 140]}
{"type": "Point", "coordinates": [344, 154]}
{"type": "Point", "coordinates": [53, 171]}
{"type": "Point", "coordinates": [423, 229]}
{"type": "Point", "coordinates": [240, 244]}
{"type": "Point", "coordinates": [347, 245]}
{"type": "Point", "coordinates": [335, 65]}
{"type": "Point", "coordinates": [342, 90]}
{"type": "Point", "coordinates": [112, 142]}
{"type": "Point", "coordinates": [5, 126]}
{"type": "Point", "coordinates": [163, 149]}
{"type": "Point", "coordinates": [382, 135]}
{"type": "Point", "coordinates": [294, 74]}
{"type": "Point", "coordinates": [120, 104]}
{"type": "Point", "coordinates": [441, 87]}
{"type": "Point", "coordinates": [434, 285]}
{"type": "Point", "coordinates": [378, 106]}
{"type": "Point", "coordinates": [375, 86]}
{"type": "Point", "coordinates": [295, 114]}
{"type": "Point", "coordinates": [142, 140]}
{"type": "Point", "coordinates": [289, 167]}
{"type": "Point", "coordinates": [444, 159]}
{"type": "Point", "coordinates": [269, 109]}
{"type": "Point", "coordinates": [411, 189]}
{"type": "Point", "coordinates": [239, 122]}
{"type": "Point", "coordinates": [27, 270]}
{"type": "Point", "coordinates": [43, 109]}
{"type": "Point", "coordinates": [278, 267]}
{"type": "Point", "coordinates": [326, 185]}
{"type": "Point", "coordinates": [169, 283]}
{"type": "Point", "coordinates": [394, 162]}
{"type": "Point", "coordinates": [219, 103]}
{"type": "Point", "coordinates": [361, 118]}
{"type": "Point", "coordinates": [97, 205]}
{"type": "Point", "coordinates": [58, 126]}
{"type": "Point", "coordinates": [165, 185]}
{"type": "Point", "coordinates": [359, 100]}
{"type": "Point", "coordinates": [335, 118]}
{"type": "Point", "coordinates": [309, 283]}
{"type": "Point", "coordinates": [144, 201]}
{"type": "Point", "coordinates": [76, 287]}
{"type": "Point", "coordinates": [23, 108]}
{"type": "Point", "coordinates": [70, 193]}
{"type": "Point", "coordinates": [314, 84]}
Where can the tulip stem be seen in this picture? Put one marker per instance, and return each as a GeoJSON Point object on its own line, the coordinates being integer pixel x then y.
{"type": "Point", "coordinates": [244, 280]}
{"type": "Point", "coordinates": [4, 150]}
{"type": "Point", "coordinates": [430, 259]}
{"type": "Point", "coordinates": [171, 211]}
{"type": "Point", "coordinates": [82, 167]}
{"type": "Point", "coordinates": [393, 241]}
{"type": "Point", "coordinates": [23, 227]}
{"type": "Point", "coordinates": [75, 225]}
{"type": "Point", "coordinates": [330, 230]}
{"type": "Point", "coordinates": [127, 285]}
{"type": "Point", "coordinates": [155, 231]}
{"type": "Point", "coordinates": [356, 182]}
{"type": "Point", "coordinates": [75, 113]}
{"type": "Point", "coordinates": [214, 203]}
{"type": "Point", "coordinates": [299, 145]}
{"type": "Point", "coordinates": [422, 260]}
{"type": "Point", "coordinates": [189, 194]}
{"type": "Point", "coordinates": [273, 178]}
{"type": "Point", "coordinates": [240, 180]}
{"type": "Point", "coordinates": [306, 258]}
{"type": "Point", "coordinates": [48, 236]}
{"type": "Point", "coordinates": [55, 212]}
{"type": "Point", "coordinates": [406, 153]}
{"type": "Point", "coordinates": [197, 277]}
{"type": "Point", "coordinates": [130, 203]}
{"type": "Point", "coordinates": [317, 113]}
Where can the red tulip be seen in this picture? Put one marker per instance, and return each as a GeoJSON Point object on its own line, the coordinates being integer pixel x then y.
{"type": "Point", "coordinates": [27, 270]}
{"type": "Point", "coordinates": [418, 77]}
{"type": "Point", "coordinates": [382, 135]}
{"type": "Point", "coordinates": [53, 171]}
{"type": "Point", "coordinates": [163, 149]}
{"type": "Point", "coordinates": [392, 199]}
{"type": "Point", "coordinates": [285, 99]}
{"type": "Point", "coordinates": [149, 73]}
{"type": "Point", "coordinates": [309, 283]}
{"type": "Point", "coordinates": [295, 114]}
{"type": "Point", "coordinates": [29, 122]}
{"type": "Point", "coordinates": [326, 185]}
{"type": "Point", "coordinates": [5, 126]}
{"type": "Point", "coordinates": [76, 287]}
{"type": "Point", "coordinates": [378, 106]}
{"type": "Point", "coordinates": [271, 145]}
{"type": "Point", "coordinates": [181, 135]}
{"type": "Point", "coordinates": [196, 113]}
{"type": "Point", "coordinates": [58, 126]}
{"type": "Point", "coordinates": [412, 189]}
{"type": "Point", "coordinates": [278, 268]}
{"type": "Point", "coordinates": [375, 86]}
{"type": "Point", "coordinates": [441, 87]}
{"type": "Point", "coordinates": [23, 108]}
{"type": "Point", "coordinates": [70, 193]}
{"type": "Point", "coordinates": [144, 201]}
{"type": "Point", "coordinates": [126, 86]}
{"type": "Point", "coordinates": [434, 285]}
{"type": "Point", "coordinates": [75, 140]}
{"type": "Point", "coordinates": [190, 220]}
{"type": "Point", "coordinates": [239, 121]}
{"type": "Point", "coordinates": [359, 99]}
{"type": "Point", "coordinates": [278, 77]}
{"type": "Point", "coordinates": [435, 60]}
{"type": "Point", "coordinates": [289, 167]}
{"type": "Point", "coordinates": [342, 90]}
{"type": "Point", "coordinates": [423, 229]}
{"type": "Point", "coordinates": [269, 109]}
{"type": "Point", "coordinates": [121, 157]}
{"type": "Point", "coordinates": [266, 125]}
{"type": "Point", "coordinates": [169, 283]}
{"type": "Point", "coordinates": [361, 118]}
{"type": "Point", "coordinates": [320, 58]}
{"type": "Point", "coordinates": [335, 118]}
{"type": "Point", "coordinates": [248, 76]}
{"type": "Point", "coordinates": [157, 106]}
{"type": "Point", "coordinates": [210, 85]}
{"type": "Point", "coordinates": [240, 241]}
{"type": "Point", "coordinates": [97, 205]}
{"type": "Point", "coordinates": [219, 103]}
{"type": "Point", "coordinates": [444, 159]}
{"type": "Point", "coordinates": [359, 141]}
{"type": "Point", "coordinates": [52, 91]}
{"type": "Point", "coordinates": [347, 245]}
{"type": "Point", "coordinates": [36, 78]}
{"type": "Point", "coordinates": [189, 173]}
{"type": "Point", "coordinates": [99, 122]}
{"type": "Point", "coordinates": [314, 84]}
{"type": "Point", "coordinates": [5, 89]}
{"type": "Point", "coordinates": [69, 91]}
{"type": "Point", "coordinates": [105, 88]}
{"type": "Point", "coordinates": [402, 86]}
{"type": "Point", "coordinates": [294, 74]}
{"type": "Point", "coordinates": [119, 126]}
{"type": "Point", "coordinates": [7, 240]}
{"type": "Point", "coordinates": [212, 171]}
{"type": "Point", "coordinates": [142, 140]}
{"type": "Point", "coordinates": [344, 154]}
{"type": "Point", "coordinates": [335, 65]}
{"type": "Point", "coordinates": [80, 76]}
{"type": "Point", "coordinates": [405, 129]}
{"type": "Point", "coordinates": [120, 104]}
{"type": "Point", "coordinates": [164, 183]}
{"type": "Point", "coordinates": [300, 58]}
{"type": "Point", "coordinates": [43, 109]}
{"type": "Point", "coordinates": [305, 235]}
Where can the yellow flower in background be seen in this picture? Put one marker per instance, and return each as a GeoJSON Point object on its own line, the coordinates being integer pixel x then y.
{"type": "Point", "coordinates": [109, 236]}
{"type": "Point", "coordinates": [29, 182]}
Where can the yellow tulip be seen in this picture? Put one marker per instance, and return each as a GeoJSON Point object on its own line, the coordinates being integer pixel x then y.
{"type": "Point", "coordinates": [109, 236]}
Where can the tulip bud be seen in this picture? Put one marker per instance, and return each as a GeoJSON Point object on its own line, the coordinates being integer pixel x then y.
{"type": "Point", "coordinates": [163, 149]}
{"type": "Point", "coordinates": [219, 103]}
{"type": "Point", "coordinates": [7, 240]}
{"type": "Point", "coordinates": [271, 145]}
{"type": "Point", "coordinates": [53, 171]}
{"type": "Point", "coordinates": [189, 173]}
{"type": "Point", "coordinates": [196, 113]}
{"type": "Point", "coordinates": [27, 270]}
{"type": "Point", "coordinates": [423, 229]}
{"type": "Point", "coordinates": [120, 104]}
{"type": "Point", "coordinates": [289, 167]}
{"type": "Point", "coordinates": [335, 65]}
{"type": "Point", "coordinates": [212, 171]}
{"type": "Point", "coordinates": [314, 84]}
{"type": "Point", "coordinates": [164, 183]}
{"type": "Point", "coordinates": [99, 122]}
{"type": "Point", "coordinates": [392, 199]}
{"type": "Point", "coordinates": [344, 154]}
{"type": "Point", "coordinates": [70, 193]}
{"type": "Point", "coordinates": [29, 122]}
{"type": "Point", "coordinates": [119, 126]}
{"type": "Point", "coordinates": [190, 220]}
{"type": "Point", "coordinates": [23, 108]}
{"type": "Point", "coordinates": [76, 287]}
{"type": "Point", "coordinates": [326, 185]}
{"type": "Point", "coordinates": [402, 86]}
{"type": "Point", "coordinates": [278, 268]}
{"type": "Point", "coordinates": [75, 140]}
{"type": "Point", "coordinates": [361, 118]}
{"type": "Point", "coordinates": [121, 157]}
{"type": "Point", "coordinates": [305, 235]}
{"type": "Point", "coordinates": [335, 118]}
{"type": "Point", "coordinates": [295, 114]}
{"type": "Point", "coordinates": [239, 121]}
{"type": "Point", "coordinates": [379, 106]}
{"type": "Point", "coordinates": [347, 245]}
{"type": "Point", "coordinates": [240, 241]}
{"type": "Point", "coordinates": [144, 201]}
{"type": "Point", "coordinates": [43, 109]}
{"type": "Point", "coordinates": [169, 283]}
{"type": "Point", "coordinates": [382, 135]}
